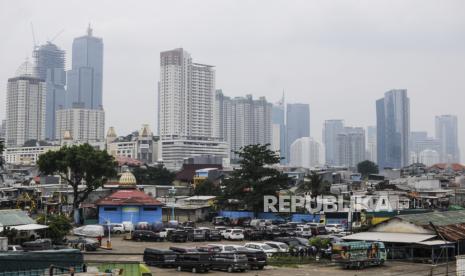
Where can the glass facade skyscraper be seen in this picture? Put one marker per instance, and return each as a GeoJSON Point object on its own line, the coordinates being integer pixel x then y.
{"type": "Point", "coordinates": [393, 129]}
{"type": "Point", "coordinates": [85, 77]}
{"type": "Point", "coordinates": [446, 133]}
{"type": "Point", "coordinates": [297, 124]}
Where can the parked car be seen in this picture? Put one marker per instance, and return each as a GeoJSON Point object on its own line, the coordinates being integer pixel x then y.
{"type": "Point", "coordinates": [160, 258]}
{"type": "Point", "coordinates": [177, 236]}
{"type": "Point", "coordinates": [221, 221]}
{"type": "Point", "coordinates": [146, 235]}
{"type": "Point", "coordinates": [280, 246]}
{"type": "Point", "coordinates": [221, 229]}
{"type": "Point", "coordinates": [235, 234]}
{"type": "Point", "coordinates": [229, 261]}
{"type": "Point", "coordinates": [196, 235]}
{"type": "Point", "coordinates": [165, 231]}
{"type": "Point", "coordinates": [253, 235]}
{"type": "Point", "coordinates": [244, 221]}
{"type": "Point", "coordinates": [84, 244]}
{"type": "Point", "coordinates": [224, 248]}
{"type": "Point", "coordinates": [317, 229]}
{"type": "Point", "coordinates": [303, 231]}
{"type": "Point", "coordinates": [334, 228]}
{"type": "Point", "coordinates": [256, 259]}
{"type": "Point", "coordinates": [39, 244]}
{"type": "Point", "coordinates": [187, 224]}
{"type": "Point", "coordinates": [295, 243]}
{"type": "Point", "coordinates": [117, 228]}
{"type": "Point", "coordinates": [194, 262]}
{"type": "Point", "coordinates": [128, 226]}
{"type": "Point", "coordinates": [258, 223]}
{"type": "Point", "coordinates": [211, 235]}
{"type": "Point", "coordinates": [92, 231]}
{"type": "Point", "coordinates": [261, 246]}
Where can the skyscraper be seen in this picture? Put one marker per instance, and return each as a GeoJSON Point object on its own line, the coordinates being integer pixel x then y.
{"type": "Point", "coordinates": [330, 131]}
{"type": "Point", "coordinates": [350, 147]}
{"type": "Point", "coordinates": [305, 153]}
{"type": "Point", "coordinates": [371, 143]}
{"type": "Point", "coordinates": [50, 66]}
{"type": "Point", "coordinates": [279, 128]}
{"type": "Point", "coordinates": [393, 129]}
{"type": "Point", "coordinates": [85, 77]}
{"type": "Point", "coordinates": [25, 107]}
{"type": "Point", "coordinates": [84, 125]}
{"type": "Point", "coordinates": [297, 123]}
{"type": "Point", "coordinates": [419, 142]}
{"type": "Point", "coordinates": [447, 134]}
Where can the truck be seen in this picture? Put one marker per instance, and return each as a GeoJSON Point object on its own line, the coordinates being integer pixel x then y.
{"type": "Point", "coordinates": [359, 254]}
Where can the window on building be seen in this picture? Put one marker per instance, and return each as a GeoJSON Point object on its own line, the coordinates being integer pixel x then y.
{"type": "Point", "coordinates": [150, 208]}
{"type": "Point", "coordinates": [109, 209]}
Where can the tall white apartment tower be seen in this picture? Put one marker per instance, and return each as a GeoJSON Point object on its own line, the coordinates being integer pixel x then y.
{"type": "Point", "coordinates": [25, 107]}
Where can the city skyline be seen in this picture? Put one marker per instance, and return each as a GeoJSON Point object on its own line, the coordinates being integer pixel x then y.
{"type": "Point", "coordinates": [320, 86]}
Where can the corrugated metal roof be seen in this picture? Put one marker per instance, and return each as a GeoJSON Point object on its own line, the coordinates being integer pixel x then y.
{"type": "Point", "coordinates": [437, 218]}
{"type": "Point", "coordinates": [434, 242]}
{"type": "Point", "coordinates": [389, 237]}
{"type": "Point", "coordinates": [14, 217]}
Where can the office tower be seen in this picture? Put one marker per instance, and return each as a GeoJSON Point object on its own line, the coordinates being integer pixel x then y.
{"type": "Point", "coordinates": [447, 134]}
{"type": "Point", "coordinates": [243, 121]}
{"type": "Point", "coordinates": [3, 130]}
{"type": "Point", "coordinates": [279, 128]}
{"type": "Point", "coordinates": [419, 142]}
{"type": "Point", "coordinates": [84, 89]}
{"type": "Point", "coordinates": [186, 96]}
{"type": "Point", "coordinates": [50, 66]}
{"type": "Point", "coordinates": [371, 143]}
{"type": "Point", "coordinates": [84, 125]}
{"type": "Point", "coordinates": [297, 123]}
{"type": "Point", "coordinates": [393, 129]}
{"type": "Point", "coordinates": [304, 152]}
{"type": "Point", "coordinates": [350, 147]}
{"type": "Point", "coordinates": [25, 107]}
{"type": "Point", "coordinates": [330, 131]}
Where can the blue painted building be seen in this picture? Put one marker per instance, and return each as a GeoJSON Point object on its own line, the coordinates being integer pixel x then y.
{"type": "Point", "coordinates": [129, 205]}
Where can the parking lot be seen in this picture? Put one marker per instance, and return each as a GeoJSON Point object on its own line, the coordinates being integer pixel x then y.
{"type": "Point", "coordinates": [127, 250]}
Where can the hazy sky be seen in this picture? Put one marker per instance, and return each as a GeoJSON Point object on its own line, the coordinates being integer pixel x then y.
{"type": "Point", "coordinates": [338, 56]}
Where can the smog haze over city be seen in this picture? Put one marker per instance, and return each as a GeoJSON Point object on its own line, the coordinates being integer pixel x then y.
{"type": "Point", "coordinates": [337, 56]}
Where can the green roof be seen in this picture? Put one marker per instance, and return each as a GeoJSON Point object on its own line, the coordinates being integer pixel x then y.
{"type": "Point", "coordinates": [14, 217]}
{"type": "Point", "coordinates": [437, 218]}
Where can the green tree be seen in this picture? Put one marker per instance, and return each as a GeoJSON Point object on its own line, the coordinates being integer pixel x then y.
{"type": "Point", "coordinates": [79, 165]}
{"type": "Point", "coordinates": [367, 167]}
{"type": "Point", "coordinates": [313, 184]}
{"type": "Point", "coordinates": [157, 175]}
{"type": "Point", "coordinates": [207, 187]}
{"type": "Point", "coordinates": [58, 226]}
{"type": "Point", "coordinates": [10, 233]}
{"type": "Point", "coordinates": [255, 178]}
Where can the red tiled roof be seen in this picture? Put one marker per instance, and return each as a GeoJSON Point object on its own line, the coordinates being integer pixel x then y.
{"type": "Point", "coordinates": [124, 160]}
{"type": "Point", "coordinates": [455, 166]}
{"type": "Point", "coordinates": [128, 197]}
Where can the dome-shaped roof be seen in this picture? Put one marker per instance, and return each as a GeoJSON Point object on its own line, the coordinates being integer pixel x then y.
{"type": "Point", "coordinates": [26, 69]}
{"type": "Point", "coordinates": [127, 179]}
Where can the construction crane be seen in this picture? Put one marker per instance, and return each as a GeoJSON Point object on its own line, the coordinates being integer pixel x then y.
{"type": "Point", "coordinates": [57, 35]}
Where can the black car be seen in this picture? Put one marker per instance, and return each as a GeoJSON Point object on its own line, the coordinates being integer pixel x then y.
{"type": "Point", "coordinates": [256, 258]}
{"type": "Point", "coordinates": [213, 235]}
{"type": "Point", "coordinates": [221, 221]}
{"type": "Point", "coordinates": [160, 258]}
{"type": "Point", "coordinates": [146, 235]}
{"type": "Point", "coordinates": [84, 243]}
{"type": "Point", "coordinates": [296, 245]}
{"type": "Point", "coordinates": [177, 236]}
{"type": "Point", "coordinates": [194, 262]}
{"type": "Point", "coordinates": [196, 235]}
{"type": "Point", "coordinates": [229, 261]}
{"type": "Point", "coordinates": [254, 235]}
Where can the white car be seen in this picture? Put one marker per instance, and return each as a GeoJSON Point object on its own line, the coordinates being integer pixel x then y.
{"type": "Point", "coordinates": [128, 226]}
{"type": "Point", "coordinates": [261, 246]}
{"type": "Point", "coordinates": [117, 228]}
{"type": "Point", "coordinates": [334, 228]}
{"type": "Point", "coordinates": [225, 233]}
{"type": "Point", "coordinates": [164, 233]}
{"type": "Point", "coordinates": [280, 246]}
{"type": "Point", "coordinates": [303, 231]}
{"type": "Point", "coordinates": [235, 234]}
{"type": "Point", "coordinates": [225, 248]}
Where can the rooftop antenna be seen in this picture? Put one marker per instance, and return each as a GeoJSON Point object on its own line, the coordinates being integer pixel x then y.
{"type": "Point", "coordinates": [89, 30]}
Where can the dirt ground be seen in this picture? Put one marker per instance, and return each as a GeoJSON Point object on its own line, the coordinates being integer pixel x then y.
{"type": "Point", "coordinates": [135, 250]}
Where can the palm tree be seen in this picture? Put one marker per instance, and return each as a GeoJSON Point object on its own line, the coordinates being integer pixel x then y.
{"type": "Point", "coordinates": [312, 183]}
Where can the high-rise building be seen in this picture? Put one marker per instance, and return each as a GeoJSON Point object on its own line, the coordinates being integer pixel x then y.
{"type": "Point", "coordinates": [50, 66]}
{"type": "Point", "coordinates": [371, 143]}
{"type": "Point", "coordinates": [243, 121]}
{"type": "Point", "coordinates": [25, 107]}
{"type": "Point", "coordinates": [350, 147]}
{"type": "Point", "coordinates": [3, 130]}
{"type": "Point", "coordinates": [297, 123]}
{"type": "Point", "coordinates": [279, 129]}
{"type": "Point", "coordinates": [447, 134]}
{"type": "Point", "coordinates": [305, 153]}
{"type": "Point", "coordinates": [330, 131]}
{"type": "Point", "coordinates": [186, 96]}
{"type": "Point", "coordinates": [419, 142]}
{"type": "Point", "coordinates": [84, 125]}
{"type": "Point", "coordinates": [393, 129]}
{"type": "Point", "coordinates": [429, 157]}
{"type": "Point", "coordinates": [84, 88]}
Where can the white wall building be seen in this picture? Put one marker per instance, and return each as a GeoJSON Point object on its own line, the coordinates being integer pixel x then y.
{"type": "Point", "coordinates": [429, 157]}
{"type": "Point", "coordinates": [25, 107]}
{"type": "Point", "coordinates": [84, 125]}
{"type": "Point", "coordinates": [304, 152]}
{"type": "Point", "coordinates": [26, 155]}
{"type": "Point", "coordinates": [350, 145]}
{"type": "Point", "coordinates": [276, 137]}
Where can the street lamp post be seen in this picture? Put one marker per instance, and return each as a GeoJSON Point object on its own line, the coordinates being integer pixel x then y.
{"type": "Point", "coordinates": [172, 193]}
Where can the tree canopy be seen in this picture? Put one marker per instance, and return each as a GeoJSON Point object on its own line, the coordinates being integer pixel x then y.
{"type": "Point", "coordinates": [367, 167]}
{"type": "Point", "coordinates": [58, 226]}
{"type": "Point", "coordinates": [207, 187]}
{"type": "Point", "coordinates": [79, 165]}
{"type": "Point", "coordinates": [255, 178]}
{"type": "Point", "coordinates": [313, 184]}
{"type": "Point", "coordinates": [157, 175]}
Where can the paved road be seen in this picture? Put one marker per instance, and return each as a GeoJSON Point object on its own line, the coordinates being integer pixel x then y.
{"type": "Point", "coordinates": [121, 246]}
